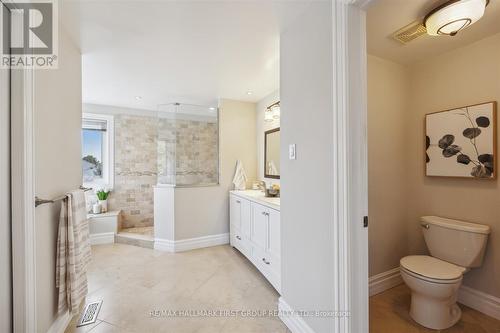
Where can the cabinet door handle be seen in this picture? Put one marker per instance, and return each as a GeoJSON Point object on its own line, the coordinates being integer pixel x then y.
{"type": "Point", "coordinates": [238, 237]}
{"type": "Point", "coordinates": [265, 261]}
{"type": "Point", "coordinates": [237, 201]}
{"type": "Point", "coordinates": [265, 213]}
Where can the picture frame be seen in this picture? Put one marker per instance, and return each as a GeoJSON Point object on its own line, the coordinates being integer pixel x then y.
{"type": "Point", "coordinates": [462, 142]}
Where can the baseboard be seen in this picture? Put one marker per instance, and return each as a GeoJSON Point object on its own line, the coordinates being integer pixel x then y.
{"type": "Point", "coordinates": [383, 281]}
{"type": "Point", "coordinates": [191, 243]}
{"type": "Point", "coordinates": [164, 245]}
{"type": "Point", "coordinates": [61, 323]}
{"type": "Point", "coordinates": [482, 302]}
{"type": "Point", "coordinates": [102, 238]}
{"type": "Point", "coordinates": [475, 299]}
{"type": "Point", "coordinates": [201, 242]}
{"type": "Point", "coordinates": [294, 322]}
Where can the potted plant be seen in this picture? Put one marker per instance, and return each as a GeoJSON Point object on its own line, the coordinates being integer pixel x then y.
{"type": "Point", "coordinates": [102, 195]}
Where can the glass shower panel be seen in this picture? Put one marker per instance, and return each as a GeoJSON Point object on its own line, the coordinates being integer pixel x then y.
{"type": "Point", "coordinates": [188, 145]}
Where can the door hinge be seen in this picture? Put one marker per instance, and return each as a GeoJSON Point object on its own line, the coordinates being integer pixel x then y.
{"type": "Point", "coordinates": [365, 222]}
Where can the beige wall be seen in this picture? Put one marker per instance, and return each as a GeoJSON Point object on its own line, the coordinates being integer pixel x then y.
{"type": "Point", "coordinates": [388, 100]}
{"type": "Point", "coordinates": [462, 77]}
{"type": "Point", "coordinates": [262, 127]}
{"type": "Point", "coordinates": [58, 114]}
{"type": "Point", "coordinates": [465, 76]}
{"type": "Point", "coordinates": [237, 142]}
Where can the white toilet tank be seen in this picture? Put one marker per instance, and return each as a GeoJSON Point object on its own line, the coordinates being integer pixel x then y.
{"type": "Point", "coordinates": [461, 243]}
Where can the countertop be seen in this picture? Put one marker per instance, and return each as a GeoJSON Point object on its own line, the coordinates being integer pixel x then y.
{"type": "Point", "coordinates": [259, 197]}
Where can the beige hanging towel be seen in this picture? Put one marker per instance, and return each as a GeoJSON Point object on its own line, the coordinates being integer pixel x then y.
{"type": "Point", "coordinates": [73, 252]}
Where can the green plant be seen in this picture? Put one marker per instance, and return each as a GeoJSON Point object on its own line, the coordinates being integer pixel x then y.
{"type": "Point", "coordinates": [102, 194]}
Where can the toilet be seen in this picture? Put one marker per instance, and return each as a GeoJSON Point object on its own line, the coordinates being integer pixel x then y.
{"type": "Point", "coordinates": [455, 247]}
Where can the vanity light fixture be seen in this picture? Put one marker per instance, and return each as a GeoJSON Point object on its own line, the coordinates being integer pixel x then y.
{"type": "Point", "coordinates": [454, 16]}
{"type": "Point", "coordinates": [273, 112]}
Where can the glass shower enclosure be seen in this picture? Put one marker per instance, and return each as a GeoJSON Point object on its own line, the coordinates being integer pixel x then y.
{"type": "Point", "coordinates": [188, 145]}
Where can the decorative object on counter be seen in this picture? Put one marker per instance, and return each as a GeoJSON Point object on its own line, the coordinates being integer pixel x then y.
{"type": "Point", "coordinates": [102, 195]}
{"type": "Point", "coordinates": [96, 208]}
{"type": "Point", "coordinates": [240, 177]}
{"type": "Point", "coordinates": [462, 142]}
{"type": "Point", "coordinates": [273, 191]}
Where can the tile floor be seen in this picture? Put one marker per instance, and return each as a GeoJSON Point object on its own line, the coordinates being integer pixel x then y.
{"type": "Point", "coordinates": [389, 314]}
{"type": "Point", "coordinates": [138, 286]}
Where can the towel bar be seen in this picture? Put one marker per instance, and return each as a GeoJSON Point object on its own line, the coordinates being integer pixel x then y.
{"type": "Point", "coordinates": [39, 201]}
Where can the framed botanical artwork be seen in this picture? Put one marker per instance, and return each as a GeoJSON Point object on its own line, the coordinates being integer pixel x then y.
{"type": "Point", "coordinates": [462, 142]}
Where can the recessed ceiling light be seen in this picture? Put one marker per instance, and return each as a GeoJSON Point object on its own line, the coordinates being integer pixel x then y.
{"type": "Point", "coordinates": [138, 98]}
{"type": "Point", "coordinates": [249, 92]}
{"type": "Point", "coordinates": [454, 16]}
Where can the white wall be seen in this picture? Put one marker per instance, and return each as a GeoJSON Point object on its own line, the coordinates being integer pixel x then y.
{"type": "Point", "coordinates": [307, 183]}
{"type": "Point", "coordinates": [262, 127]}
{"type": "Point", "coordinates": [58, 114]}
{"type": "Point", "coordinates": [5, 218]}
{"type": "Point", "coordinates": [203, 211]}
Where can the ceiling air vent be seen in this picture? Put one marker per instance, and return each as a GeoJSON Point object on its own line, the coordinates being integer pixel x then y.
{"type": "Point", "coordinates": [410, 32]}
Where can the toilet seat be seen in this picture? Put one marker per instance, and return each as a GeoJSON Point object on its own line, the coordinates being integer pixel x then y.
{"type": "Point", "coordinates": [432, 269]}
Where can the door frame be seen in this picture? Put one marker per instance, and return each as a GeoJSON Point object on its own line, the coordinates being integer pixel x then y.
{"type": "Point", "coordinates": [23, 196]}
{"type": "Point", "coordinates": [350, 177]}
{"type": "Point", "coordinates": [350, 165]}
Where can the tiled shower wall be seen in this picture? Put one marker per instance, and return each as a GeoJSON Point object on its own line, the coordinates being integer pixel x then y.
{"type": "Point", "coordinates": [135, 169]}
{"type": "Point", "coordinates": [144, 145]}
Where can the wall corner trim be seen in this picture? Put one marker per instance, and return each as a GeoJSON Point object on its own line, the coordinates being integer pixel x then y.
{"type": "Point", "coordinates": [385, 280]}
{"type": "Point", "coordinates": [60, 324]}
{"type": "Point", "coordinates": [292, 320]}
{"type": "Point", "coordinates": [191, 243]}
{"type": "Point", "coordinates": [480, 301]}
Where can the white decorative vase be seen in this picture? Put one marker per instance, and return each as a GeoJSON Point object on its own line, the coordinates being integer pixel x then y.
{"type": "Point", "coordinates": [96, 208]}
{"type": "Point", "coordinates": [104, 205]}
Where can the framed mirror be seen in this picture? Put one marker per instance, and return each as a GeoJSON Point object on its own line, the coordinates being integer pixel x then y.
{"type": "Point", "coordinates": [272, 153]}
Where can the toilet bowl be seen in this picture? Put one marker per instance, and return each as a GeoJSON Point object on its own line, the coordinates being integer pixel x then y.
{"type": "Point", "coordinates": [434, 284]}
{"type": "Point", "coordinates": [455, 247]}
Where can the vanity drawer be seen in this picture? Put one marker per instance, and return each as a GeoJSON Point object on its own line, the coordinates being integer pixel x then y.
{"type": "Point", "coordinates": [268, 265]}
{"type": "Point", "coordinates": [239, 241]}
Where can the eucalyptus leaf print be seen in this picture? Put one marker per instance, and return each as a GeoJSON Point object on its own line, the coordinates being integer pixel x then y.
{"type": "Point", "coordinates": [460, 142]}
{"type": "Point", "coordinates": [472, 133]}
{"type": "Point", "coordinates": [483, 122]}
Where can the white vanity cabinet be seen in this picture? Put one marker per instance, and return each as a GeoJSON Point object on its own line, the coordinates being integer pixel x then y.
{"type": "Point", "coordinates": [255, 232]}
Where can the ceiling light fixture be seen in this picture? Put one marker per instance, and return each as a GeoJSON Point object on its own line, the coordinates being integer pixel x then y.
{"type": "Point", "coordinates": [138, 98]}
{"type": "Point", "coordinates": [249, 92]}
{"type": "Point", "coordinates": [211, 108]}
{"type": "Point", "coordinates": [454, 16]}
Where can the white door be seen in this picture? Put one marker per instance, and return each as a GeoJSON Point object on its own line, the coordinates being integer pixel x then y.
{"type": "Point", "coordinates": [5, 217]}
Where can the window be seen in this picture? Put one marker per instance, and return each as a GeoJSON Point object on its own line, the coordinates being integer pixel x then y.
{"type": "Point", "coordinates": [97, 150]}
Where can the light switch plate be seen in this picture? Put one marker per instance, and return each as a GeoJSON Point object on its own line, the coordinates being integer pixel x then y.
{"type": "Point", "coordinates": [292, 152]}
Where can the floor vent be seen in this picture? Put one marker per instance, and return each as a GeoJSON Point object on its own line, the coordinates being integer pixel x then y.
{"type": "Point", "coordinates": [90, 313]}
{"type": "Point", "coordinates": [410, 32]}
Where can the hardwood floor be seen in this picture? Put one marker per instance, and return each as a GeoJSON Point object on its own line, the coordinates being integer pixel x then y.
{"type": "Point", "coordinates": [389, 313]}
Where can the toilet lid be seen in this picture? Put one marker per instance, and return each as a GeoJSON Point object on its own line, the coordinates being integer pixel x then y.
{"type": "Point", "coordinates": [432, 267]}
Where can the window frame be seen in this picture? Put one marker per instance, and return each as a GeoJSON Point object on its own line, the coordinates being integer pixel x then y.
{"type": "Point", "coordinates": [108, 151]}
